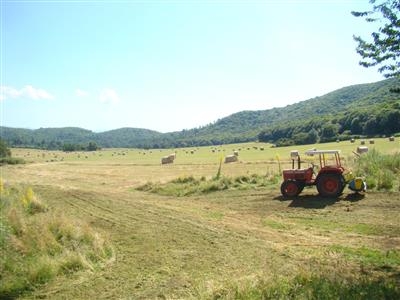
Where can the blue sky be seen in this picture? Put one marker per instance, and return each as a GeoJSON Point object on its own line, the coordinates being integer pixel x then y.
{"type": "Point", "coordinates": [171, 65]}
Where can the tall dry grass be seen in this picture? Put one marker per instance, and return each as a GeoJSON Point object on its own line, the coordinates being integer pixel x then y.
{"type": "Point", "coordinates": [38, 245]}
{"type": "Point", "coordinates": [382, 171]}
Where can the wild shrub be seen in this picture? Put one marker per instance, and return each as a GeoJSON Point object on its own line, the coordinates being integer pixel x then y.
{"type": "Point", "coordinates": [32, 204]}
{"type": "Point", "coordinates": [11, 161]}
{"type": "Point", "coordinates": [381, 170]}
{"type": "Point", "coordinates": [5, 155]}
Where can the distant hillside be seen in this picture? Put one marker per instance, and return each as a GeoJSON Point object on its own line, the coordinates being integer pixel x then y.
{"type": "Point", "coordinates": [364, 103]}
{"type": "Point", "coordinates": [55, 138]}
{"type": "Point", "coordinates": [365, 109]}
{"type": "Point", "coordinates": [49, 138]}
{"type": "Point", "coordinates": [127, 137]}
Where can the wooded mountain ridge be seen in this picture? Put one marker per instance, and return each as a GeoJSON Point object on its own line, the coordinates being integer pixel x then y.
{"type": "Point", "coordinates": [366, 109]}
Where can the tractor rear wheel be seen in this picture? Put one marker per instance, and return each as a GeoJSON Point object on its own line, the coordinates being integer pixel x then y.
{"type": "Point", "coordinates": [301, 185]}
{"type": "Point", "coordinates": [330, 185]}
{"type": "Point", "coordinates": [290, 188]}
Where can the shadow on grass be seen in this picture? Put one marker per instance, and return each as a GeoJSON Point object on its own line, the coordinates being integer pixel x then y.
{"type": "Point", "coordinates": [354, 197]}
{"type": "Point", "coordinates": [318, 202]}
{"type": "Point", "coordinates": [309, 201]}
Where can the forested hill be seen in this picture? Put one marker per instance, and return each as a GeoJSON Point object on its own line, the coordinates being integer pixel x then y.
{"type": "Point", "coordinates": [365, 109]}
{"type": "Point", "coordinates": [57, 138]}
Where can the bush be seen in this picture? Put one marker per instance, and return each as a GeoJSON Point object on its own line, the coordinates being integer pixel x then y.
{"type": "Point", "coordinates": [11, 161]}
{"type": "Point", "coordinates": [381, 170]}
{"type": "Point", "coordinates": [5, 155]}
{"type": "Point", "coordinates": [31, 203]}
{"type": "Point", "coordinates": [4, 150]}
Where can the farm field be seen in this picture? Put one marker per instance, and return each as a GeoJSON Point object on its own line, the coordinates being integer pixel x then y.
{"type": "Point", "coordinates": [235, 243]}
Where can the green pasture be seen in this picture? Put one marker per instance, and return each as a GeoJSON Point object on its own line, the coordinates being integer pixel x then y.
{"type": "Point", "coordinates": [248, 153]}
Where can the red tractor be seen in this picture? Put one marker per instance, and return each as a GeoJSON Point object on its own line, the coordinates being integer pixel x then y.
{"type": "Point", "coordinates": [330, 179]}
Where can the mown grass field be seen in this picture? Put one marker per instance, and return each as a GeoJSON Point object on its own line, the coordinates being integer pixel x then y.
{"type": "Point", "coordinates": [244, 243]}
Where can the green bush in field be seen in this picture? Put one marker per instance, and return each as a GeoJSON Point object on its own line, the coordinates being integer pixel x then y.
{"type": "Point", "coordinates": [4, 150]}
{"type": "Point", "coordinates": [37, 245]}
{"type": "Point", "coordinates": [11, 160]}
{"type": "Point", "coordinates": [5, 155]}
{"type": "Point", "coordinates": [382, 171]}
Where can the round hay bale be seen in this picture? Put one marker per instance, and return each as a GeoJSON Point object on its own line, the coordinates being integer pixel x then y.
{"type": "Point", "coordinates": [231, 158]}
{"type": "Point", "coordinates": [362, 149]}
{"type": "Point", "coordinates": [167, 160]}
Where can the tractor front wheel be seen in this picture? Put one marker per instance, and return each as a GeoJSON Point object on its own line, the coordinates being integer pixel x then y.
{"type": "Point", "coordinates": [330, 185]}
{"type": "Point", "coordinates": [290, 188]}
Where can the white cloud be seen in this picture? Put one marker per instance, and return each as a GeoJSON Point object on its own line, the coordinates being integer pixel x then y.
{"type": "Point", "coordinates": [28, 91]}
{"type": "Point", "coordinates": [35, 93]}
{"type": "Point", "coordinates": [81, 93]}
{"type": "Point", "coordinates": [9, 92]}
{"type": "Point", "coordinates": [109, 96]}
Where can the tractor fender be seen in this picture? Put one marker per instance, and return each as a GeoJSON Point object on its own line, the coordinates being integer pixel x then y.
{"type": "Point", "coordinates": [331, 170]}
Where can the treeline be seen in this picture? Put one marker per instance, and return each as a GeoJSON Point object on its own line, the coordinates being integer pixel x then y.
{"type": "Point", "coordinates": [384, 119]}
{"type": "Point", "coordinates": [46, 138]}
{"type": "Point", "coordinates": [92, 146]}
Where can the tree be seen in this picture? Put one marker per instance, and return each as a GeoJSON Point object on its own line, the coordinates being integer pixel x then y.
{"type": "Point", "coordinates": [371, 126]}
{"type": "Point", "coordinates": [4, 150]}
{"type": "Point", "coordinates": [389, 122]}
{"type": "Point", "coordinates": [356, 126]}
{"type": "Point", "coordinates": [92, 146]}
{"type": "Point", "coordinates": [329, 132]}
{"type": "Point", "coordinates": [384, 50]}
